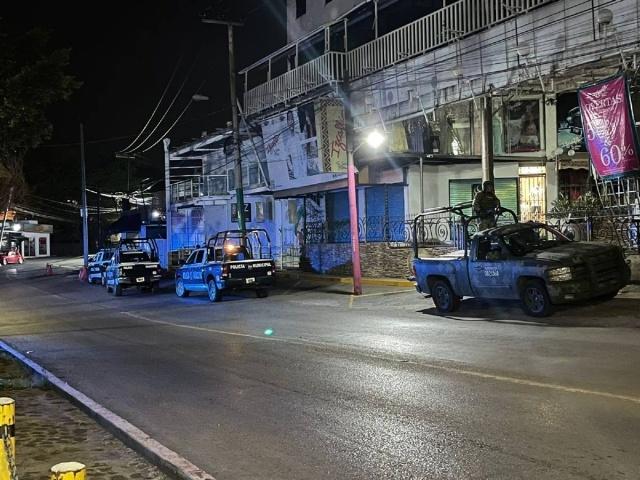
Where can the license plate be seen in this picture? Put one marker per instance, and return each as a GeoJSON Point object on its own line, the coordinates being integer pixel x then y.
{"type": "Point", "coordinates": [251, 280]}
{"type": "Point", "coordinates": [140, 279]}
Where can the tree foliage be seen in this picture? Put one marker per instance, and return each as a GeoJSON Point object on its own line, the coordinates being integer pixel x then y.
{"type": "Point", "coordinates": [32, 77]}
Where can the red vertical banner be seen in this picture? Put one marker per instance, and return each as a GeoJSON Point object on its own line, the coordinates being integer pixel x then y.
{"type": "Point", "coordinates": [609, 127]}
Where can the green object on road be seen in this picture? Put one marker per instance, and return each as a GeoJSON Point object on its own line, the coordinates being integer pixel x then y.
{"type": "Point", "coordinates": [268, 332]}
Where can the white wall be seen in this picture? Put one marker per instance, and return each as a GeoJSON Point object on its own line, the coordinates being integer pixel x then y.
{"type": "Point", "coordinates": [318, 14]}
{"type": "Point", "coordinates": [436, 181]}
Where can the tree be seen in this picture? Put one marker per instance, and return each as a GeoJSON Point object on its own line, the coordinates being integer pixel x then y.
{"type": "Point", "coordinates": [32, 77]}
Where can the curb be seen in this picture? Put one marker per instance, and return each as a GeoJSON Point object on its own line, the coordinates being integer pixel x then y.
{"type": "Point", "coordinates": [385, 282]}
{"type": "Point", "coordinates": [168, 461]}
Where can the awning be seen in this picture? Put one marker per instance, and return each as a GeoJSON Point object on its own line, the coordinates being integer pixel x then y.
{"type": "Point", "coordinates": [309, 189]}
{"type": "Point", "coordinates": [573, 164]}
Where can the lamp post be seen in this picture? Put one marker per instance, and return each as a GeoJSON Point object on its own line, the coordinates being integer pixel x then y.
{"type": "Point", "coordinates": [374, 139]}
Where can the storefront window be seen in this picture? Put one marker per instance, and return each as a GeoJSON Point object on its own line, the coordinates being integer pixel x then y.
{"type": "Point", "coordinates": [42, 246]}
{"type": "Point", "coordinates": [454, 125]}
{"type": "Point", "coordinates": [517, 126]}
{"type": "Point", "coordinates": [569, 127]}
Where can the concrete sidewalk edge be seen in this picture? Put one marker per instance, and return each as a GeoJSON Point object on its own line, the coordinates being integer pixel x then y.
{"type": "Point", "coordinates": [388, 282]}
{"type": "Point", "coordinates": [168, 461]}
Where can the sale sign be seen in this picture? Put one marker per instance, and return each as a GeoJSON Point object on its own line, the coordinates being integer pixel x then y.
{"type": "Point", "coordinates": [609, 127]}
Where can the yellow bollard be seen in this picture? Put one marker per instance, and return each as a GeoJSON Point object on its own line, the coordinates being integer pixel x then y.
{"type": "Point", "coordinates": [8, 440]}
{"type": "Point", "coordinates": [68, 471]}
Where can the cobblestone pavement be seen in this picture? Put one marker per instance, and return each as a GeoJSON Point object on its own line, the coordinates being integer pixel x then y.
{"type": "Point", "coordinates": [50, 430]}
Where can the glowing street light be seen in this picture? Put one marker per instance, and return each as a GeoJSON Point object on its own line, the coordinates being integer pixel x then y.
{"type": "Point", "coordinates": [375, 139]}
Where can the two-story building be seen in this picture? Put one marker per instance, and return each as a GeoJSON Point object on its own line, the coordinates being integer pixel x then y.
{"type": "Point", "coordinates": [420, 71]}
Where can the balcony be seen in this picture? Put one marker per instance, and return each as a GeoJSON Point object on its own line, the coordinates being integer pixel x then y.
{"type": "Point", "coordinates": [324, 70]}
{"type": "Point", "coordinates": [449, 24]}
{"type": "Point", "coordinates": [204, 186]}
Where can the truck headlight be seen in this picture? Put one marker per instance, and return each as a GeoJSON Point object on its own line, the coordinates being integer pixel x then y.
{"type": "Point", "coordinates": [562, 274]}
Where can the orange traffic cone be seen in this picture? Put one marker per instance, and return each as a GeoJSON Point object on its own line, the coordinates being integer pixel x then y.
{"type": "Point", "coordinates": [49, 269]}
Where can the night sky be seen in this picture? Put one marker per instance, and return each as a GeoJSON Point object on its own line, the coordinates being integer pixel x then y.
{"type": "Point", "coordinates": [125, 53]}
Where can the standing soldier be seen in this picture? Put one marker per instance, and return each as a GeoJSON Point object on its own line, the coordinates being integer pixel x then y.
{"type": "Point", "coordinates": [485, 205]}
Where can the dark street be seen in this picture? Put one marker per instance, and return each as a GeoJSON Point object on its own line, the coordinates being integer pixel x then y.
{"type": "Point", "coordinates": [343, 387]}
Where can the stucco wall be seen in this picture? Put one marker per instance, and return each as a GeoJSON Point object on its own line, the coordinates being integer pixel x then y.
{"type": "Point", "coordinates": [436, 181]}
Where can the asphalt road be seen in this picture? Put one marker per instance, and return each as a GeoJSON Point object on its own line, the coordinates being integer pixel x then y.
{"type": "Point", "coordinates": [346, 388]}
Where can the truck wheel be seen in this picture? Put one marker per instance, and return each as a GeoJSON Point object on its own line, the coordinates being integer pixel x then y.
{"type": "Point", "coordinates": [215, 295]}
{"type": "Point", "coordinates": [262, 293]}
{"type": "Point", "coordinates": [535, 299]}
{"type": "Point", "coordinates": [117, 290]}
{"type": "Point", "coordinates": [444, 298]}
{"type": "Point", "coordinates": [180, 290]}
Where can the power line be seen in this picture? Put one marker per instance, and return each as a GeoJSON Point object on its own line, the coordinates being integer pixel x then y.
{"type": "Point", "coordinates": [184, 82]}
{"type": "Point", "coordinates": [164, 93]}
{"type": "Point", "coordinates": [174, 123]}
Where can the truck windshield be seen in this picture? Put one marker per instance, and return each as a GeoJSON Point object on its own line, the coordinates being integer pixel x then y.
{"type": "Point", "coordinates": [531, 238]}
{"type": "Point", "coordinates": [134, 257]}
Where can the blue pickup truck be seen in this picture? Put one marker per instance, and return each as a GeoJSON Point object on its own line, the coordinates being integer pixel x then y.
{"type": "Point", "coordinates": [530, 262]}
{"type": "Point", "coordinates": [232, 260]}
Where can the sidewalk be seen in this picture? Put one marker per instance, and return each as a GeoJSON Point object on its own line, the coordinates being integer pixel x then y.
{"type": "Point", "coordinates": [50, 430]}
{"type": "Point", "coordinates": [295, 275]}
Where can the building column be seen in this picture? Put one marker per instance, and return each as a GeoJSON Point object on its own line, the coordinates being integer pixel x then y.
{"type": "Point", "coordinates": [487, 139]}
{"type": "Point", "coordinates": [551, 145]}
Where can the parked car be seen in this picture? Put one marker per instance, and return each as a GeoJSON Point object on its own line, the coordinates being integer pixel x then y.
{"type": "Point", "coordinates": [11, 256]}
{"type": "Point", "coordinates": [530, 261]}
{"type": "Point", "coordinates": [98, 265]}
{"type": "Point", "coordinates": [133, 264]}
{"type": "Point", "coordinates": [232, 260]}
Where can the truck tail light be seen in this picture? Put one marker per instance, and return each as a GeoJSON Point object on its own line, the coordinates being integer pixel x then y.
{"type": "Point", "coordinates": [413, 270]}
{"type": "Point", "coordinates": [225, 271]}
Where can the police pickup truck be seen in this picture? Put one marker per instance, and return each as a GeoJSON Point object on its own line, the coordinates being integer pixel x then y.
{"type": "Point", "coordinates": [232, 260]}
{"type": "Point", "coordinates": [133, 264]}
{"type": "Point", "coordinates": [98, 265]}
{"type": "Point", "coordinates": [530, 262]}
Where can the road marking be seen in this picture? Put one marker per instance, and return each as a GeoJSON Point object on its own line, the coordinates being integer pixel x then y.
{"type": "Point", "coordinates": [431, 365]}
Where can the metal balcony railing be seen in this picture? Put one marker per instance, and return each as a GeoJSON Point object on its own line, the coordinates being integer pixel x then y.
{"type": "Point", "coordinates": [439, 28]}
{"type": "Point", "coordinates": [324, 70]}
{"type": "Point", "coordinates": [204, 186]}
{"type": "Point", "coordinates": [435, 30]}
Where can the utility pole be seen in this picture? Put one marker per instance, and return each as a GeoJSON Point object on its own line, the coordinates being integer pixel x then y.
{"type": "Point", "coordinates": [6, 212]}
{"type": "Point", "coordinates": [352, 191]}
{"type": "Point", "coordinates": [100, 243]}
{"type": "Point", "coordinates": [85, 216]}
{"type": "Point", "coordinates": [234, 116]}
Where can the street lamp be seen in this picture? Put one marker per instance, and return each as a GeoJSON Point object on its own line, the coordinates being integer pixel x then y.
{"type": "Point", "coordinates": [374, 140]}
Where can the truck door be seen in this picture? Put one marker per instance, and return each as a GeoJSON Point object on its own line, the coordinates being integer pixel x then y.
{"type": "Point", "coordinates": [188, 271]}
{"type": "Point", "coordinates": [198, 268]}
{"type": "Point", "coordinates": [490, 271]}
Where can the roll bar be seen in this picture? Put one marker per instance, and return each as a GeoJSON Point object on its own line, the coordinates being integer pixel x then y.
{"type": "Point", "coordinates": [465, 220]}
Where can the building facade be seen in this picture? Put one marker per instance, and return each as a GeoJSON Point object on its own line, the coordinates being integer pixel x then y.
{"type": "Point", "coordinates": [421, 72]}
